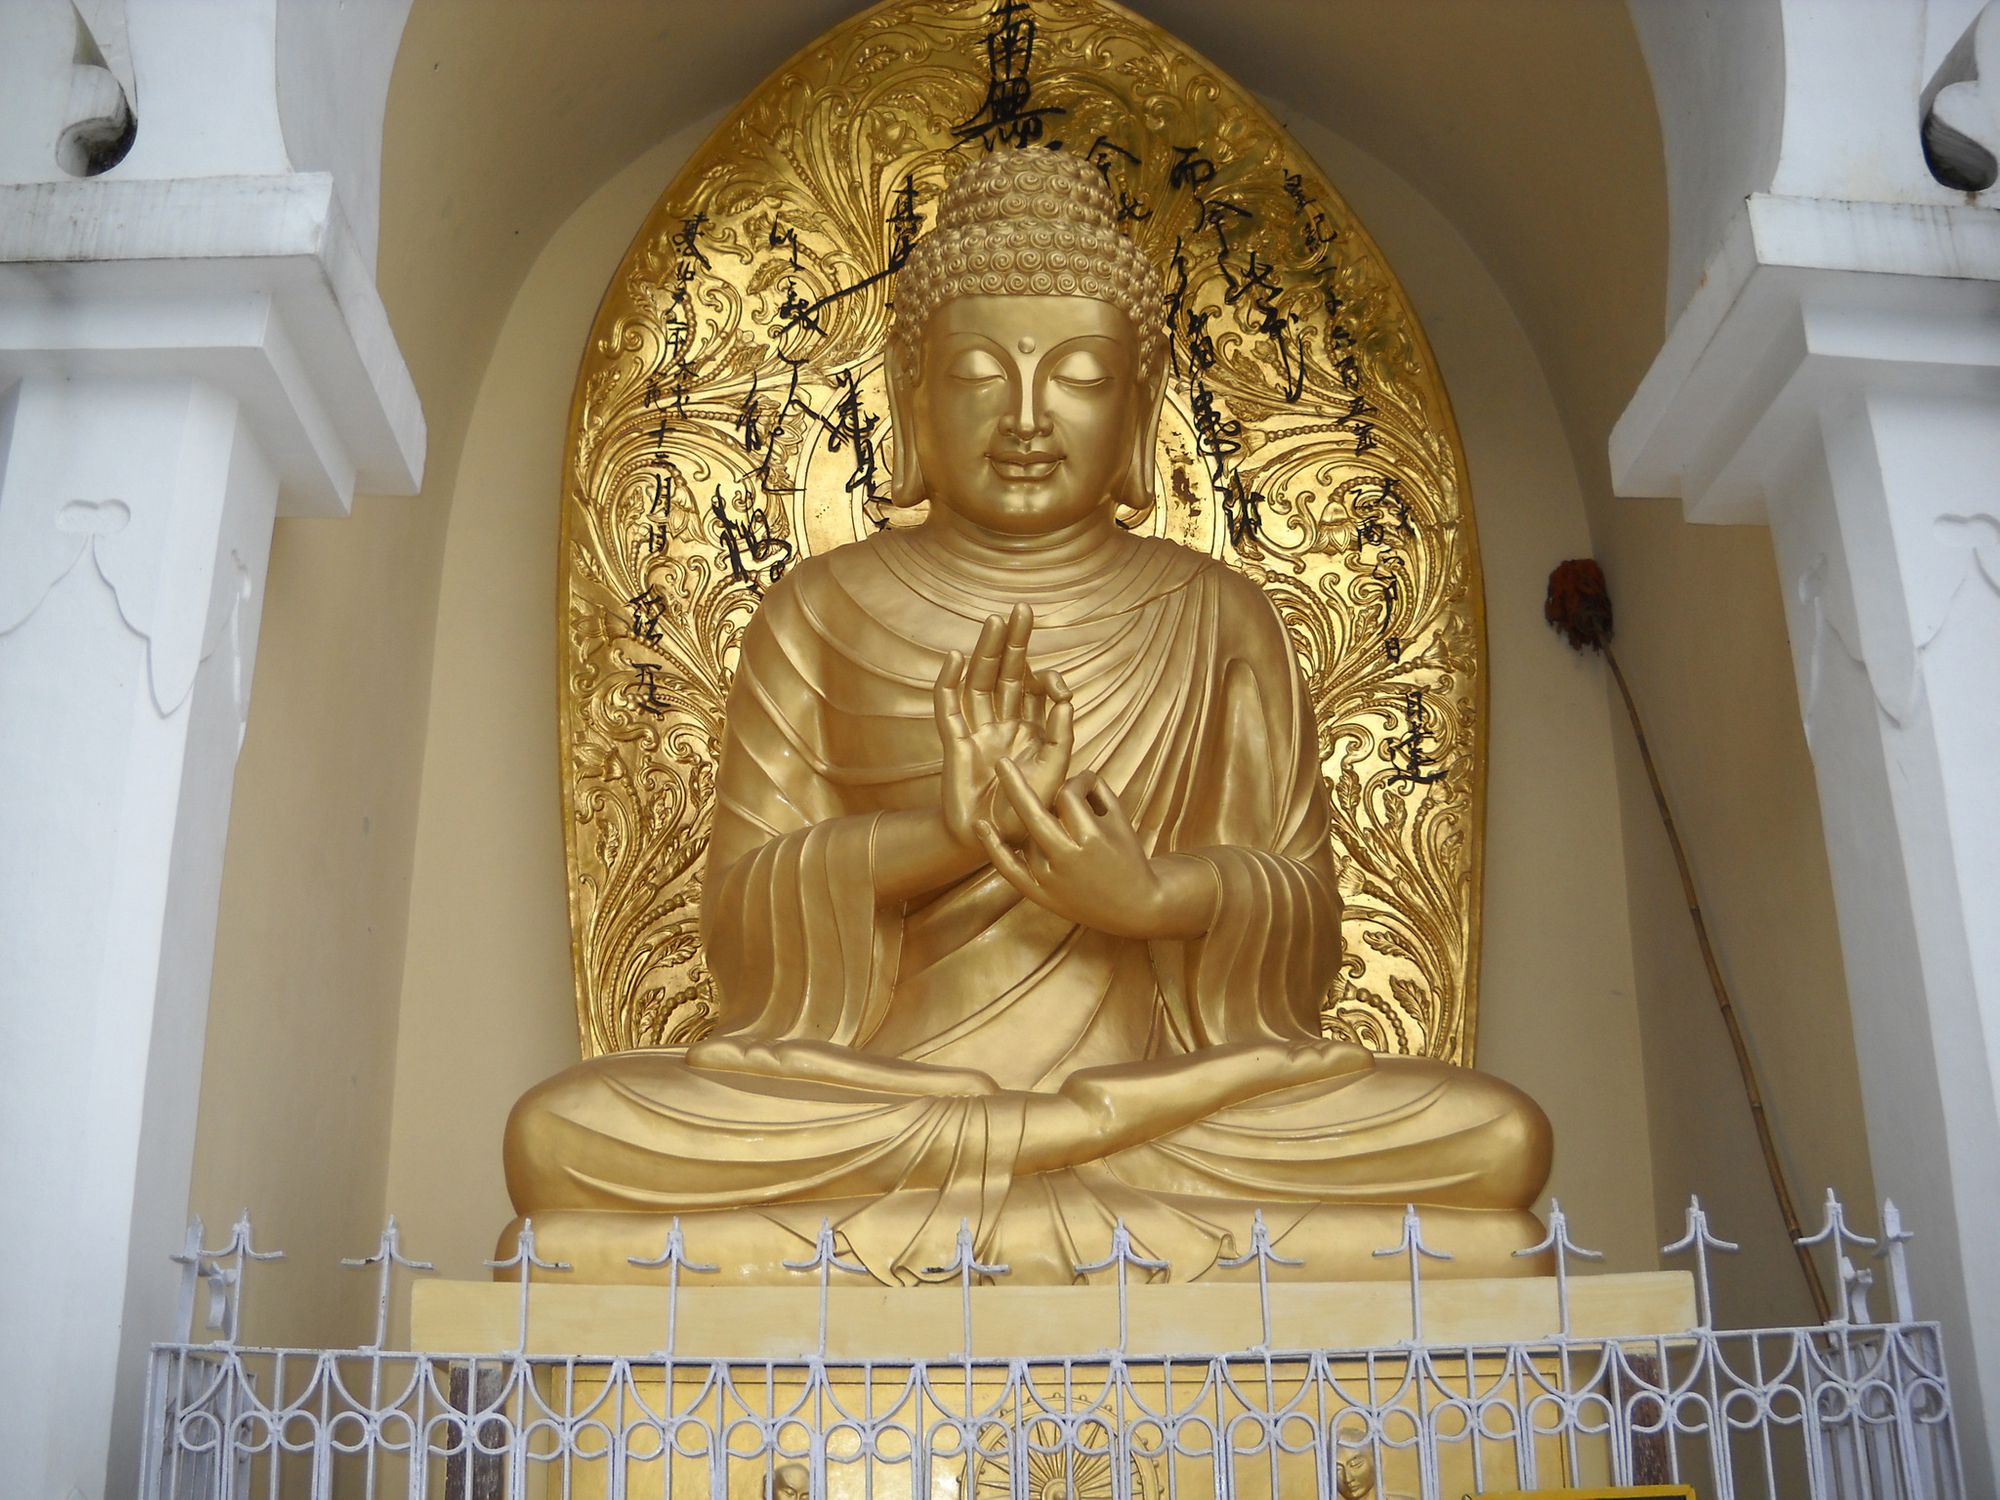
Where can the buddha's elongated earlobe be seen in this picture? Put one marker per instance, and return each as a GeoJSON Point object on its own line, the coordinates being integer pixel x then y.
{"type": "Point", "coordinates": [1141, 476]}
{"type": "Point", "coordinates": [906, 474]}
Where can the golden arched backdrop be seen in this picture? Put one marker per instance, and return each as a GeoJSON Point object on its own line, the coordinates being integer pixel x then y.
{"type": "Point", "coordinates": [730, 416]}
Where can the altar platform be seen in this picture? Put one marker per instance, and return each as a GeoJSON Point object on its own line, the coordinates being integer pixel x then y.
{"type": "Point", "coordinates": [951, 1390]}
{"type": "Point", "coordinates": [872, 1323]}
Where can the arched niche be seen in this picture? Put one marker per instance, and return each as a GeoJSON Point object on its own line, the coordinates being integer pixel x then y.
{"type": "Point", "coordinates": [730, 416]}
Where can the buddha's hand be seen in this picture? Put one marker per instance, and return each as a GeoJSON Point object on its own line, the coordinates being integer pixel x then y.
{"type": "Point", "coordinates": [1084, 862]}
{"type": "Point", "coordinates": [992, 710]}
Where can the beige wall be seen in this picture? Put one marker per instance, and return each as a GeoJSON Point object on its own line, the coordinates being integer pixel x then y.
{"type": "Point", "coordinates": [487, 1004]}
{"type": "Point", "coordinates": [487, 1007]}
{"type": "Point", "coordinates": [300, 1052]}
{"type": "Point", "coordinates": [1702, 638]}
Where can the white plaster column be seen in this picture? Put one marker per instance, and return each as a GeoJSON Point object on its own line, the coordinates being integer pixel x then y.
{"type": "Point", "coordinates": [191, 344]}
{"type": "Point", "coordinates": [135, 520]}
{"type": "Point", "coordinates": [1837, 377]}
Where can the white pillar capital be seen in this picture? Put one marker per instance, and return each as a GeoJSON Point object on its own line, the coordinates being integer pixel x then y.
{"type": "Point", "coordinates": [252, 284]}
{"type": "Point", "coordinates": [1809, 300]}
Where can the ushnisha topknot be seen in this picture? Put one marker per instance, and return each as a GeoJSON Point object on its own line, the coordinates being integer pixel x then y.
{"type": "Point", "coordinates": [1025, 223]}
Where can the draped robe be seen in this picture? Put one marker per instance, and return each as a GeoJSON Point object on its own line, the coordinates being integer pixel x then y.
{"type": "Point", "coordinates": [1177, 1085]}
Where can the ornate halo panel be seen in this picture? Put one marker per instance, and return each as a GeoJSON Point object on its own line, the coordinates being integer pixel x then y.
{"type": "Point", "coordinates": [730, 417]}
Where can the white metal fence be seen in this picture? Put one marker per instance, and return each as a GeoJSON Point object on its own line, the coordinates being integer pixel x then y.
{"type": "Point", "coordinates": [1855, 1408]}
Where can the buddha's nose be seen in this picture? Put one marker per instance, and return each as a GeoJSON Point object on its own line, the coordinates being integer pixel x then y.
{"type": "Point", "coordinates": [1030, 417]}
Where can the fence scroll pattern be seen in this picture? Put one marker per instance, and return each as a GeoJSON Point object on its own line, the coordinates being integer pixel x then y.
{"type": "Point", "coordinates": [1857, 1407]}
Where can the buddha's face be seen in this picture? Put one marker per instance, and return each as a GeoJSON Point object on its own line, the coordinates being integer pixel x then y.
{"type": "Point", "coordinates": [1028, 411]}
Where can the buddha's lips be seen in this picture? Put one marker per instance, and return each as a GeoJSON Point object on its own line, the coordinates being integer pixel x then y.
{"type": "Point", "coordinates": [1025, 466]}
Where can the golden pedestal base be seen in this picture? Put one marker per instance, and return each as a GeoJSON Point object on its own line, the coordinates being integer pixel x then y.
{"type": "Point", "coordinates": [742, 1400]}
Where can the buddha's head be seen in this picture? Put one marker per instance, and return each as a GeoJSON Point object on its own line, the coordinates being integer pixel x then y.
{"type": "Point", "coordinates": [1028, 353]}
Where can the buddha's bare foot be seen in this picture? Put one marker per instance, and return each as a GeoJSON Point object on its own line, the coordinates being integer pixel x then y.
{"type": "Point", "coordinates": [1323, 1057]}
{"type": "Point", "coordinates": [1237, 1071]}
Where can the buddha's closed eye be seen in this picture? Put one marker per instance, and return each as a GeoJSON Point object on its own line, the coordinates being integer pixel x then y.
{"type": "Point", "coordinates": [1082, 371]}
{"type": "Point", "coordinates": [976, 367]}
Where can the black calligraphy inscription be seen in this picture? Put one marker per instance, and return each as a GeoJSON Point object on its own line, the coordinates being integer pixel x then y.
{"type": "Point", "coordinates": [1218, 216]}
{"type": "Point", "coordinates": [905, 223]}
{"type": "Point", "coordinates": [1316, 235]}
{"type": "Point", "coordinates": [654, 531]}
{"type": "Point", "coordinates": [1250, 281]}
{"type": "Point", "coordinates": [1242, 510]}
{"type": "Point", "coordinates": [1354, 420]}
{"type": "Point", "coordinates": [688, 243]}
{"type": "Point", "coordinates": [784, 238]}
{"type": "Point", "coordinates": [1382, 520]}
{"type": "Point", "coordinates": [1415, 751]}
{"type": "Point", "coordinates": [1105, 154]}
{"type": "Point", "coordinates": [793, 402]}
{"type": "Point", "coordinates": [1191, 171]}
{"type": "Point", "coordinates": [845, 424]}
{"type": "Point", "coordinates": [1218, 437]}
{"type": "Point", "coordinates": [755, 555]}
{"type": "Point", "coordinates": [1339, 332]}
{"type": "Point", "coordinates": [1176, 301]}
{"type": "Point", "coordinates": [677, 331]}
{"type": "Point", "coordinates": [796, 313]}
{"type": "Point", "coordinates": [649, 695]}
{"type": "Point", "coordinates": [1007, 117]}
{"type": "Point", "coordinates": [853, 428]}
{"type": "Point", "coordinates": [748, 415]}
{"type": "Point", "coordinates": [648, 610]}
{"type": "Point", "coordinates": [1256, 286]}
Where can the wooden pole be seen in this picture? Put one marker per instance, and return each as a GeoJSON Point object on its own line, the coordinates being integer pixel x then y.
{"type": "Point", "coordinates": [1772, 1165]}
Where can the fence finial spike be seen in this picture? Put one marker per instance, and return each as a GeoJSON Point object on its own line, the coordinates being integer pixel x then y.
{"type": "Point", "coordinates": [675, 1258]}
{"type": "Point", "coordinates": [240, 1242]}
{"type": "Point", "coordinates": [1121, 1259]}
{"type": "Point", "coordinates": [1558, 1240]}
{"type": "Point", "coordinates": [825, 1260]}
{"type": "Point", "coordinates": [1834, 1227]}
{"type": "Point", "coordinates": [1700, 1240]}
{"type": "Point", "coordinates": [525, 1258]}
{"type": "Point", "coordinates": [1266, 1257]}
{"type": "Point", "coordinates": [1894, 1237]}
{"type": "Point", "coordinates": [1835, 1233]}
{"type": "Point", "coordinates": [192, 1275]}
{"type": "Point", "coordinates": [388, 1255]}
{"type": "Point", "coordinates": [965, 1264]}
{"type": "Point", "coordinates": [1412, 1246]}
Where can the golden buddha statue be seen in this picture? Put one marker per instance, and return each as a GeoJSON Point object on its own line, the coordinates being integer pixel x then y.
{"type": "Point", "coordinates": [1019, 901]}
